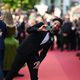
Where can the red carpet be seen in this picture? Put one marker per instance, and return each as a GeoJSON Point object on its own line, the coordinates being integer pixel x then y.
{"type": "Point", "coordinates": [56, 66]}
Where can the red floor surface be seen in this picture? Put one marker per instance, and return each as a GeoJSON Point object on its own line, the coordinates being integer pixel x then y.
{"type": "Point", "coordinates": [56, 66]}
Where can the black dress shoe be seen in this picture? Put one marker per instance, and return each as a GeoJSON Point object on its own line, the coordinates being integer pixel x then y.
{"type": "Point", "coordinates": [18, 75]}
{"type": "Point", "coordinates": [78, 54]}
{"type": "Point", "coordinates": [5, 72]}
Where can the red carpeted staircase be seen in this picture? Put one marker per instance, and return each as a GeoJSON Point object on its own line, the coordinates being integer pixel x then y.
{"type": "Point", "coordinates": [56, 66]}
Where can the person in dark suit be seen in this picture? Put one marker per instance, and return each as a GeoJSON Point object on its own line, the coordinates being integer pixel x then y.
{"type": "Point", "coordinates": [66, 34]}
{"type": "Point", "coordinates": [3, 31]}
{"type": "Point", "coordinates": [22, 30]}
{"type": "Point", "coordinates": [39, 39]}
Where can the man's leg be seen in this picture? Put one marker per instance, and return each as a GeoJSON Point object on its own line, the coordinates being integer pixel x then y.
{"type": "Point", "coordinates": [1, 74]}
{"type": "Point", "coordinates": [33, 72]}
{"type": "Point", "coordinates": [17, 64]}
{"type": "Point", "coordinates": [1, 64]}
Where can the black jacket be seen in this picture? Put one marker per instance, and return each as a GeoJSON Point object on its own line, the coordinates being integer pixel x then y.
{"type": "Point", "coordinates": [31, 45]}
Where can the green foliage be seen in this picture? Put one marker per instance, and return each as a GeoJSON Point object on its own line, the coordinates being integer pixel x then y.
{"type": "Point", "coordinates": [23, 4]}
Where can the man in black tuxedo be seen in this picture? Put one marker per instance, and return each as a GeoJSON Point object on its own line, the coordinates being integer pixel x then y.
{"type": "Point", "coordinates": [39, 39]}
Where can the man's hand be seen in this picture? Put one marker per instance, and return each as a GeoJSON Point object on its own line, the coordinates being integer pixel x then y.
{"type": "Point", "coordinates": [42, 28]}
{"type": "Point", "coordinates": [36, 64]}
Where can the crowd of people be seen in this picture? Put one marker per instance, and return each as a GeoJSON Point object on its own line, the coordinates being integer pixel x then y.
{"type": "Point", "coordinates": [23, 35]}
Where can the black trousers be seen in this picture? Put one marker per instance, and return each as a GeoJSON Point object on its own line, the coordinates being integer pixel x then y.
{"type": "Point", "coordinates": [18, 64]}
{"type": "Point", "coordinates": [1, 63]}
{"type": "Point", "coordinates": [78, 42]}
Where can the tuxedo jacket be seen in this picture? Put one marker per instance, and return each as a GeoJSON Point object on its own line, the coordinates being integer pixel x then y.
{"type": "Point", "coordinates": [31, 45]}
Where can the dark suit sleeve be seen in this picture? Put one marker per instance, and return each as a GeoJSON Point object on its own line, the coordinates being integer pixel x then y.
{"type": "Point", "coordinates": [32, 29]}
{"type": "Point", "coordinates": [40, 56]}
{"type": "Point", "coordinates": [44, 52]}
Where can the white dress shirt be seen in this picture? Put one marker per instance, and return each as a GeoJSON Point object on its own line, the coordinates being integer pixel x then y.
{"type": "Point", "coordinates": [46, 38]}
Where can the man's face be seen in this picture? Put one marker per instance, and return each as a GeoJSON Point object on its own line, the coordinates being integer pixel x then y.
{"type": "Point", "coordinates": [55, 24]}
